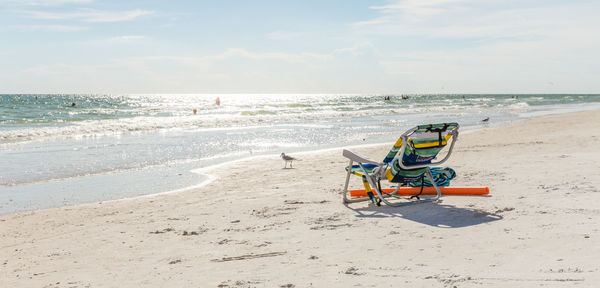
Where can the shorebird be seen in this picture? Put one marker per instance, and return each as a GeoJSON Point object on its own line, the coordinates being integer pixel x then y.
{"type": "Point", "coordinates": [287, 159]}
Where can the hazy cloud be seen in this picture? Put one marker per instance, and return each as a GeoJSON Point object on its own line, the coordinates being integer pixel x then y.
{"type": "Point", "coordinates": [53, 28]}
{"type": "Point", "coordinates": [283, 35]}
{"type": "Point", "coordinates": [42, 2]}
{"type": "Point", "coordinates": [127, 38]}
{"type": "Point", "coordinates": [464, 19]}
{"type": "Point", "coordinates": [90, 15]}
{"type": "Point", "coordinates": [419, 8]}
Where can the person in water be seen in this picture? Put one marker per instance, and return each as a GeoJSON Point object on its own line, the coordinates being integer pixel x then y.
{"type": "Point", "coordinates": [218, 101]}
{"type": "Point", "coordinates": [73, 104]}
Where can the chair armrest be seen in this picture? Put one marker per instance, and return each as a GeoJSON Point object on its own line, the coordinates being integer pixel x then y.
{"type": "Point", "coordinates": [358, 158]}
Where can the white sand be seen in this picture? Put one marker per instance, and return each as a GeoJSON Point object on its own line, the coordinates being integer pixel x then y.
{"type": "Point", "coordinates": [540, 227]}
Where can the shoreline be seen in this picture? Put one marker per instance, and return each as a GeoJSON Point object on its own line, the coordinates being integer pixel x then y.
{"type": "Point", "coordinates": [185, 167]}
{"type": "Point", "coordinates": [257, 224]}
{"type": "Point", "coordinates": [200, 171]}
{"type": "Point", "coordinates": [211, 176]}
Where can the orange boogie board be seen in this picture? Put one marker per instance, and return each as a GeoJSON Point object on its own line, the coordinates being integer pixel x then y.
{"type": "Point", "coordinates": [407, 191]}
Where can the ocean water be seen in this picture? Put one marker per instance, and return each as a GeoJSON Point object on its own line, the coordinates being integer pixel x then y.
{"type": "Point", "coordinates": [117, 146]}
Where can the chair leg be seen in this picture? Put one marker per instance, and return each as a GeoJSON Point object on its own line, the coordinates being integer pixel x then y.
{"type": "Point", "coordinates": [432, 180]}
{"type": "Point", "coordinates": [397, 189]}
{"type": "Point", "coordinates": [346, 191]}
{"type": "Point", "coordinates": [345, 197]}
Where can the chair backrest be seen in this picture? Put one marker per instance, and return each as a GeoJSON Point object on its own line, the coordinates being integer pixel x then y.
{"type": "Point", "coordinates": [390, 156]}
{"type": "Point", "coordinates": [424, 142]}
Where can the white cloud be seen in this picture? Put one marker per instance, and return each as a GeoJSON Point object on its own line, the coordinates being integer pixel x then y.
{"type": "Point", "coordinates": [232, 70]}
{"type": "Point", "coordinates": [42, 2]}
{"type": "Point", "coordinates": [417, 8]}
{"type": "Point", "coordinates": [288, 57]}
{"type": "Point", "coordinates": [90, 15]}
{"type": "Point", "coordinates": [503, 67]}
{"type": "Point", "coordinates": [127, 38]}
{"type": "Point", "coordinates": [462, 19]}
{"type": "Point", "coordinates": [284, 35]}
{"type": "Point", "coordinates": [53, 28]}
{"type": "Point", "coordinates": [305, 58]}
{"type": "Point", "coordinates": [231, 53]}
{"type": "Point", "coordinates": [356, 50]}
{"type": "Point", "coordinates": [488, 47]}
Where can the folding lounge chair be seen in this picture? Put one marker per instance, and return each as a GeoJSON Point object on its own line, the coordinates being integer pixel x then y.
{"type": "Point", "coordinates": [407, 162]}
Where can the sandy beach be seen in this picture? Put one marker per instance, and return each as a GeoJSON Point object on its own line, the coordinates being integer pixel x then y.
{"type": "Point", "coordinates": [259, 225]}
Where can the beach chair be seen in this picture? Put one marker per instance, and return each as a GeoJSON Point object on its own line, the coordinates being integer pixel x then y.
{"type": "Point", "coordinates": [408, 162]}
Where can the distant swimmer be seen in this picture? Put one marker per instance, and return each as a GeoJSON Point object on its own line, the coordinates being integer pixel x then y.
{"type": "Point", "coordinates": [73, 104]}
{"type": "Point", "coordinates": [486, 119]}
{"type": "Point", "coordinates": [195, 111]}
{"type": "Point", "coordinates": [404, 97]}
{"type": "Point", "coordinates": [218, 101]}
{"type": "Point", "coordinates": [386, 98]}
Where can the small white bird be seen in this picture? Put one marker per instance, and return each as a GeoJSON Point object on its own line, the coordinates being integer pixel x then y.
{"type": "Point", "coordinates": [287, 159]}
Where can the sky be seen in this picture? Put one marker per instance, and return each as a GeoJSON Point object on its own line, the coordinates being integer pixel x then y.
{"type": "Point", "coordinates": [310, 46]}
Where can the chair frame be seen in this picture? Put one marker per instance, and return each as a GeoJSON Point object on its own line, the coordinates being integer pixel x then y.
{"type": "Point", "coordinates": [379, 173]}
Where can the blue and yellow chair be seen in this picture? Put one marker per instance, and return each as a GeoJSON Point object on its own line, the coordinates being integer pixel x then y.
{"type": "Point", "coordinates": [408, 162]}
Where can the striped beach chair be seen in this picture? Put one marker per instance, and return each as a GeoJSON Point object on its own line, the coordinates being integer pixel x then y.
{"type": "Point", "coordinates": [407, 164]}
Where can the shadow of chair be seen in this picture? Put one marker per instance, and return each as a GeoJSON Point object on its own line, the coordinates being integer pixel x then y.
{"type": "Point", "coordinates": [432, 214]}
